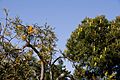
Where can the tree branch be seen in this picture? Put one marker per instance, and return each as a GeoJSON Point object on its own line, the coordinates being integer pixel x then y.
{"type": "Point", "coordinates": [42, 62]}
{"type": "Point", "coordinates": [56, 60]}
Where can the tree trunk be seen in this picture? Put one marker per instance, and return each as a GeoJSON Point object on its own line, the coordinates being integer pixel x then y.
{"type": "Point", "coordinates": [41, 58]}
{"type": "Point", "coordinates": [51, 76]}
{"type": "Point", "coordinates": [61, 76]}
{"type": "Point", "coordinates": [42, 71]}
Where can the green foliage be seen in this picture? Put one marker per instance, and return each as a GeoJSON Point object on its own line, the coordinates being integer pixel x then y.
{"type": "Point", "coordinates": [95, 44]}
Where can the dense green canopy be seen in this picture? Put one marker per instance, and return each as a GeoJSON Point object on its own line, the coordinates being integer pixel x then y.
{"type": "Point", "coordinates": [95, 46]}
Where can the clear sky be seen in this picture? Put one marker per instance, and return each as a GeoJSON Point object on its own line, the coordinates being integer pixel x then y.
{"type": "Point", "coordinates": [64, 15]}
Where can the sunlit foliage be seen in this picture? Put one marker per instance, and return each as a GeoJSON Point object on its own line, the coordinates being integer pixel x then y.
{"type": "Point", "coordinates": [94, 48]}
{"type": "Point", "coordinates": [26, 51]}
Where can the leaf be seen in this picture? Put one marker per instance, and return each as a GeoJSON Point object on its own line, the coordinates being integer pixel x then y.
{"type": "Point", "coordinates": [95, 63]}
{"type": "Point", "coordinates": [23, 37]}
{"type": "Point", "coordinates": [106, 73]}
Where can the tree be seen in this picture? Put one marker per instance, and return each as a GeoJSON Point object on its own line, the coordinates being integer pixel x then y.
{"type": "Point", "coordinates": [26, 51]}
{"type": "Point", "coordinates": [94, 48]}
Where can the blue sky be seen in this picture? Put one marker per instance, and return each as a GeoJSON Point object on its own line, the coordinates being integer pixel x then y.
{"type": "Point", "coordinates": [64, 15]}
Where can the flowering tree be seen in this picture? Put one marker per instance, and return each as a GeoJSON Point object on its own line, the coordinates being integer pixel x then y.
{"type": "Point", "coordinates": [94, 48]}
{"type": "Point", "coordinates": [26, 51]}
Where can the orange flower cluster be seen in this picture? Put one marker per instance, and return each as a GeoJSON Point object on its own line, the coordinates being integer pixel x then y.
{"type": "Point", "coordinates": [30, 30]}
